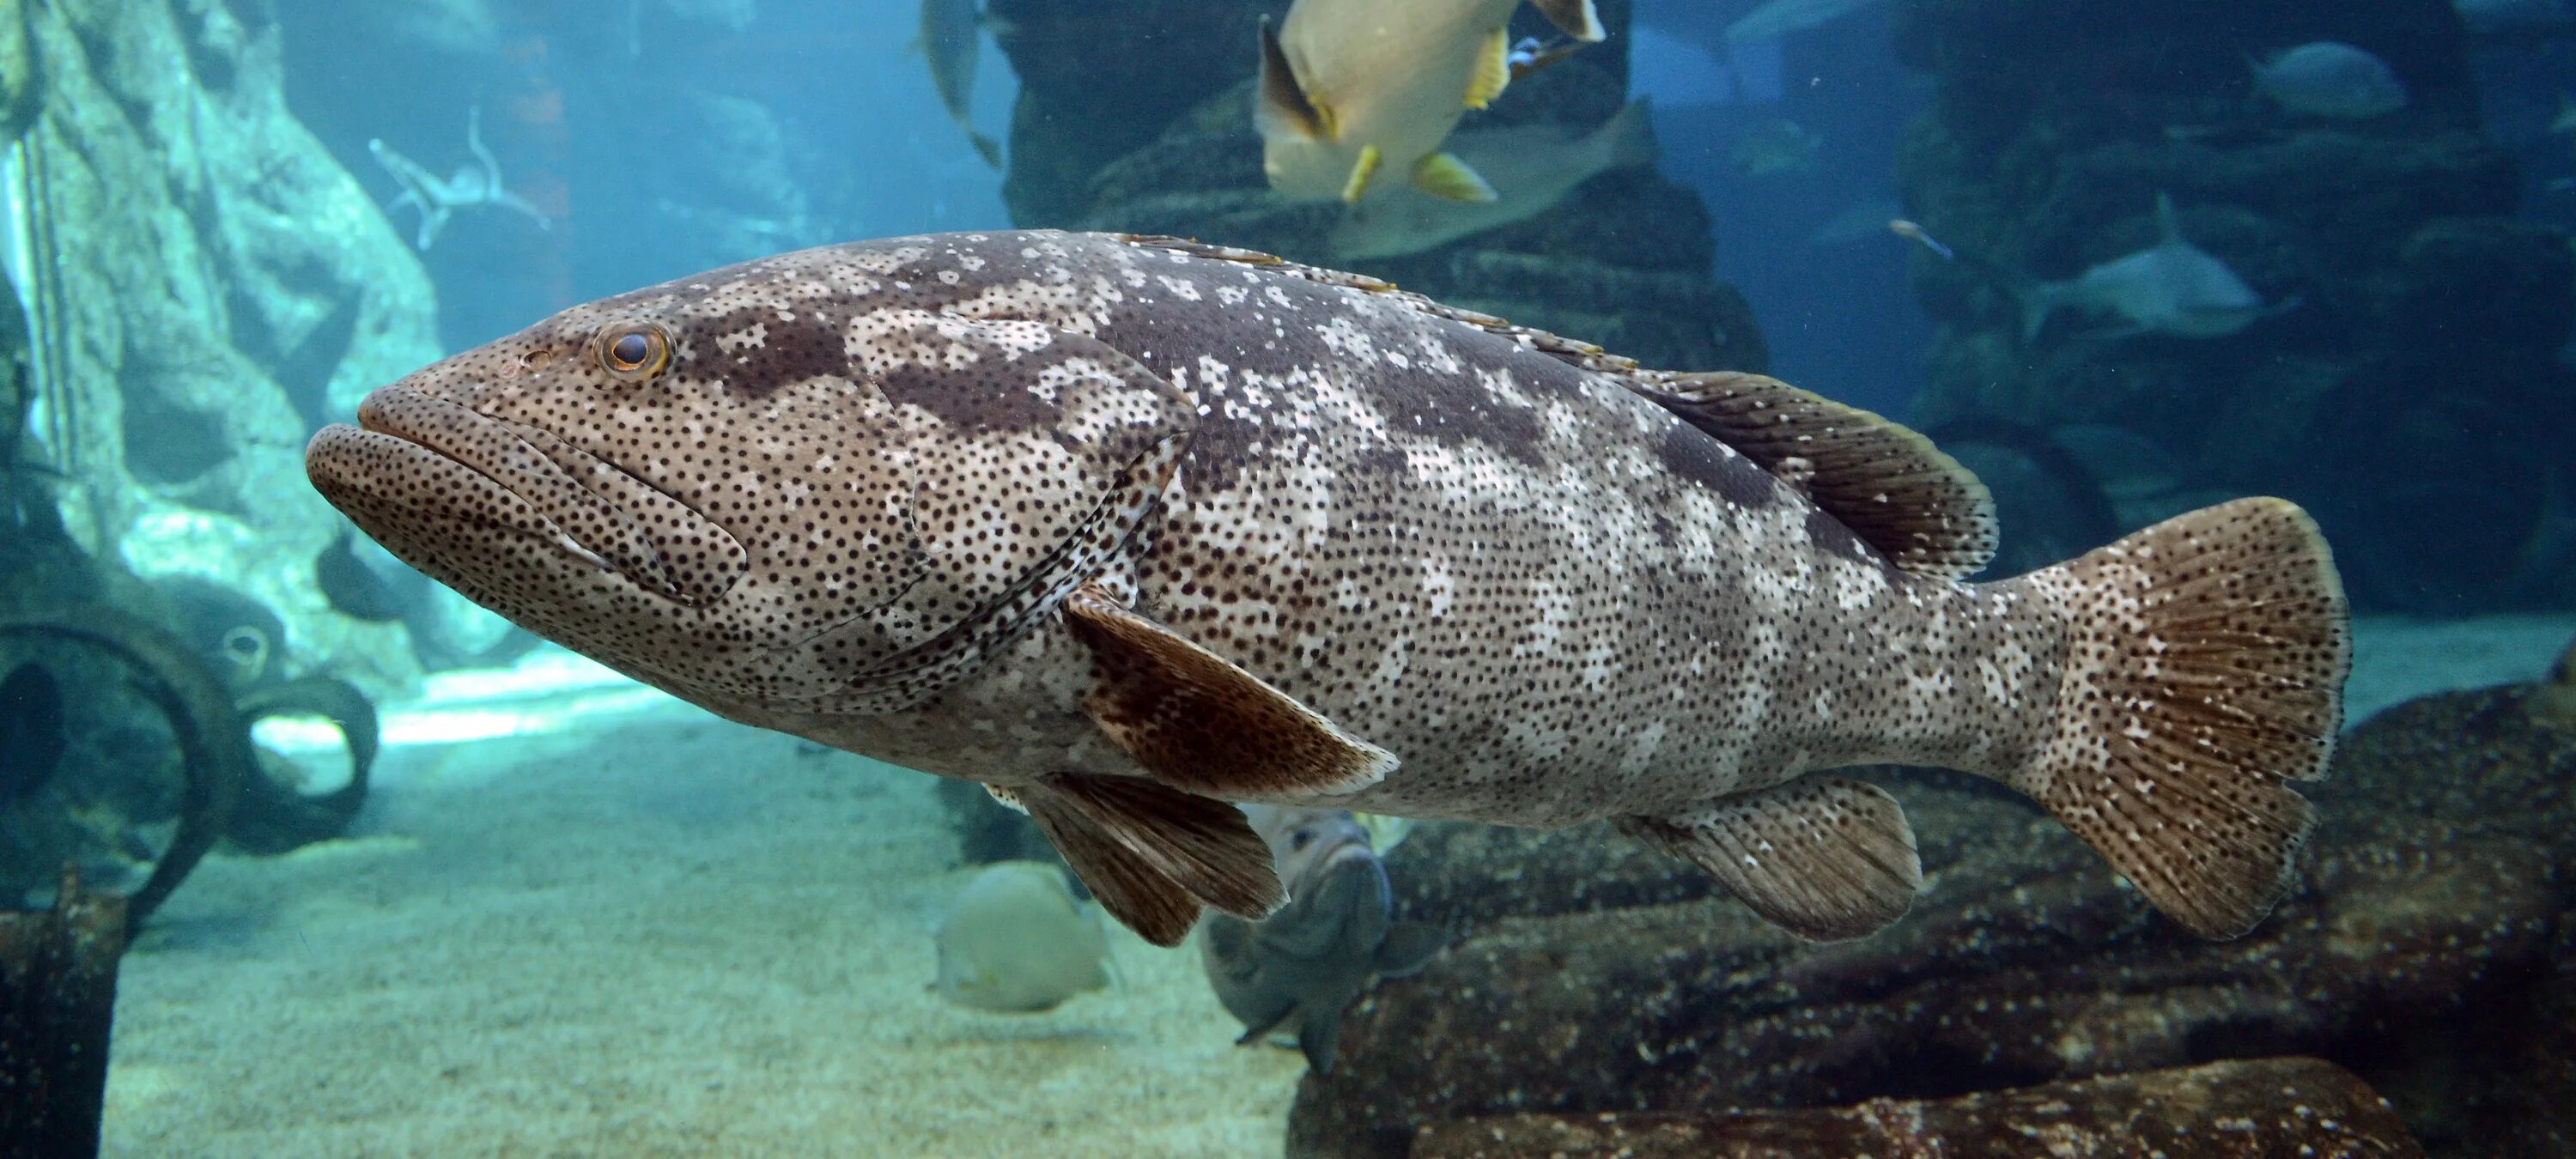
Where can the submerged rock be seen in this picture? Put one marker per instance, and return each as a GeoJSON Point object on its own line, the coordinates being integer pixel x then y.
{"type": "Point", "coordinates": [2284, 1106]}
{"type": "Point", "coordinates": [2430, 952]}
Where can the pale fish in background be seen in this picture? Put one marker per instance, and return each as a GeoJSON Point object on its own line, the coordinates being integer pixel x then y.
{"type": "Point", "coordinates": [1017, 941]}
{"type": "Point", "coordinates": [2328, 78]}
{"type": "Point", "coordinates": [1532, 167]}
{"type": "Point", "coordinates": [1863, 220]}
{"type": "Point", "coordinates": [1914, 233]}
{"type": "Point", "coordinates": [2510, 15]}
{"type": "Point", "coordinates": [1301, 967]}
{"type": "Point", "coordinates": [950, 41]}
{"type": "Point", "coordinates": [1776, 146]}
{"type": "Point", "coordinates": [1781, 17]}
{"type": "Point", "coordinates": [2172, 287]}
{"type": "Point", "coordinates": [1353, 88]}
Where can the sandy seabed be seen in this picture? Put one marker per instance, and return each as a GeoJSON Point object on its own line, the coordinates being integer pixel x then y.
{"type": "Point", "coordinates": [656, 933]}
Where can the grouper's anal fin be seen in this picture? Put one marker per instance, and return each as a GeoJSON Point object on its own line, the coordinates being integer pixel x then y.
{"type": "Point", "coordinates": [1199, 724]}
{"type": "Point", "coordinates": [1151, 855]}
{"type": "Point", "coordinates": [1823, 857]}
{"type": "Point", "coordinates": [1889, 485]}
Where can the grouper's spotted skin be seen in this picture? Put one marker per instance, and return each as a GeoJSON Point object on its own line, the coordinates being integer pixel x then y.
{"type": "Point", "coordinates": [966, 503]}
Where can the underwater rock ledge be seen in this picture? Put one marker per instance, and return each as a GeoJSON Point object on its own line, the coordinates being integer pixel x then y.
{"type": "Point", "coordinates": [2432, 951]}
{"type": "Point", "coordinates": [2280, 1106]}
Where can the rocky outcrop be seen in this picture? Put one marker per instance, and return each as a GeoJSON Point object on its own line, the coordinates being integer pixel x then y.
{"type": "Point", "coordinates": [2287, 1106]}
{"type": "Point", "coordinates": [2412, 398]}
{"type": "Point", "coordinates": [1138, 133]}
{"type": "Point", "coordinates": [212, 283]}
{"type": "Point", "coordinates": [2430, 952]}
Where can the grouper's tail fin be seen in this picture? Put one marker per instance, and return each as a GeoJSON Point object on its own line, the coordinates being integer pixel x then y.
{"type": "Point", "coordinates": [2205, 672]}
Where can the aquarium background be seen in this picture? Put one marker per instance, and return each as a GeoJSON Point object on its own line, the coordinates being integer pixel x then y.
{"type": "Point", "coordinates": [469, 894]}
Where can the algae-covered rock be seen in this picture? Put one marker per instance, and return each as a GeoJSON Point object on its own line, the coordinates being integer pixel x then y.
{"type": "Point", "coordinates": [1149, 130]}
{"type": "Point", "coordinates": [2283, 1106]}
{"type": "Point", "coordinates": [2428, 951]}
{"type": "Point", "coordinates": [216, 285]}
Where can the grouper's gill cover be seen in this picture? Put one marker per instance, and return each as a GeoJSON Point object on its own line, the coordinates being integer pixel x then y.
{"type": "Point", "coordinates": [804, 492]}
{"type": "Point", "coordinates": [1128, 528]}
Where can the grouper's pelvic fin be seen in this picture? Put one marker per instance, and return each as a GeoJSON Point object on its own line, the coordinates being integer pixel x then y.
{"type": "Point", "coordinates": [2204, 673]}
{"type": "Point", "coordinates": [1151, 855]}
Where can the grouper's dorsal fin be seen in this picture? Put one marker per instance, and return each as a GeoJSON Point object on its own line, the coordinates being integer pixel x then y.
{"type": "Point", "coordinates": [1894, 489]}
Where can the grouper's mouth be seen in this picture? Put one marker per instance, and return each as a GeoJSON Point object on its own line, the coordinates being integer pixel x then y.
{"type": "Point", "coordinates": [428, 477]}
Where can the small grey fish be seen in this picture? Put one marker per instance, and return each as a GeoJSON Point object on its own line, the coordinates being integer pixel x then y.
{"type": "Point", "coordinates": [1304, 965]}
{"type": "Point", "coordinates": [2328, 78]}
{"type": "Point", "coordinates": [2172, 287]}
{"type": "Point", "coordinates": [951, 43]}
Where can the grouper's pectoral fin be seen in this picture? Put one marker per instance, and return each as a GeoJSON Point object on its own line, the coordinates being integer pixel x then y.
{"type": "Point", "coordinates": [1822, 857]}
{"type": "Point", "coordinates": [1151, 854]}
{"type": "Point", "coordinates": [1202, 725]}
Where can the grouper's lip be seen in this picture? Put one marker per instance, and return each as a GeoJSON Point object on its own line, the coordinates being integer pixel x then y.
{"type": "Point", "coordinates": [560, 485]}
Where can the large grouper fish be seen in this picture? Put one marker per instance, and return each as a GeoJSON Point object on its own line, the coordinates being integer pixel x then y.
{"type": "Point", "coordinates": [1126, 528]}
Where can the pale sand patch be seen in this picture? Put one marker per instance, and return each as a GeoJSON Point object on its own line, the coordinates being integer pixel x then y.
{"type": "Point", "coordinates": [679, 937]}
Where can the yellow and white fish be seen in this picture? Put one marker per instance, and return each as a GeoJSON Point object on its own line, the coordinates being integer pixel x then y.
{"type": "Point", "coordinates": [1352, 88]}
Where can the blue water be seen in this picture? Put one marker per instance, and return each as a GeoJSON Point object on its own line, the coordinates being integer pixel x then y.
{"type": "Point", "coordinates": [576, 916]}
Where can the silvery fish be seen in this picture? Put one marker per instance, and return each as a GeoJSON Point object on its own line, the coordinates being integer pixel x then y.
{"type": "Point", "coordinates": [1350, 87]}
{"type": "Point", "coordinates": [2171, 287]}
{"type": "Point", "coordinates": [1301, 967]}
{"type": "Point", "coordinates": [1532, 167]}
{"type": "Point", "coordinates": [2328, 78]}
{"type": "Point", "coordinates": [1128, 528]}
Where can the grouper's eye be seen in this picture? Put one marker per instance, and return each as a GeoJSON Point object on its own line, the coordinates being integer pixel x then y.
{"type": "Point", "coordinates": [634, 353]}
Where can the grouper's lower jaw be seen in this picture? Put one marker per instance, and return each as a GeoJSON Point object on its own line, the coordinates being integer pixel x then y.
{"type": "Point", "coordinates": [420, 464]}
{"type": "Point", "coordinates": [421, 505]}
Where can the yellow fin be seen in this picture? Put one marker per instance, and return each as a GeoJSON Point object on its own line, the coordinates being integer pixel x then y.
{"type": "Point", "coordinates": [1361, 171]}
{"type": "Point", "coordinates": [1442, 175]}
{"type": "Point", "coordinates": [1493, 70]}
